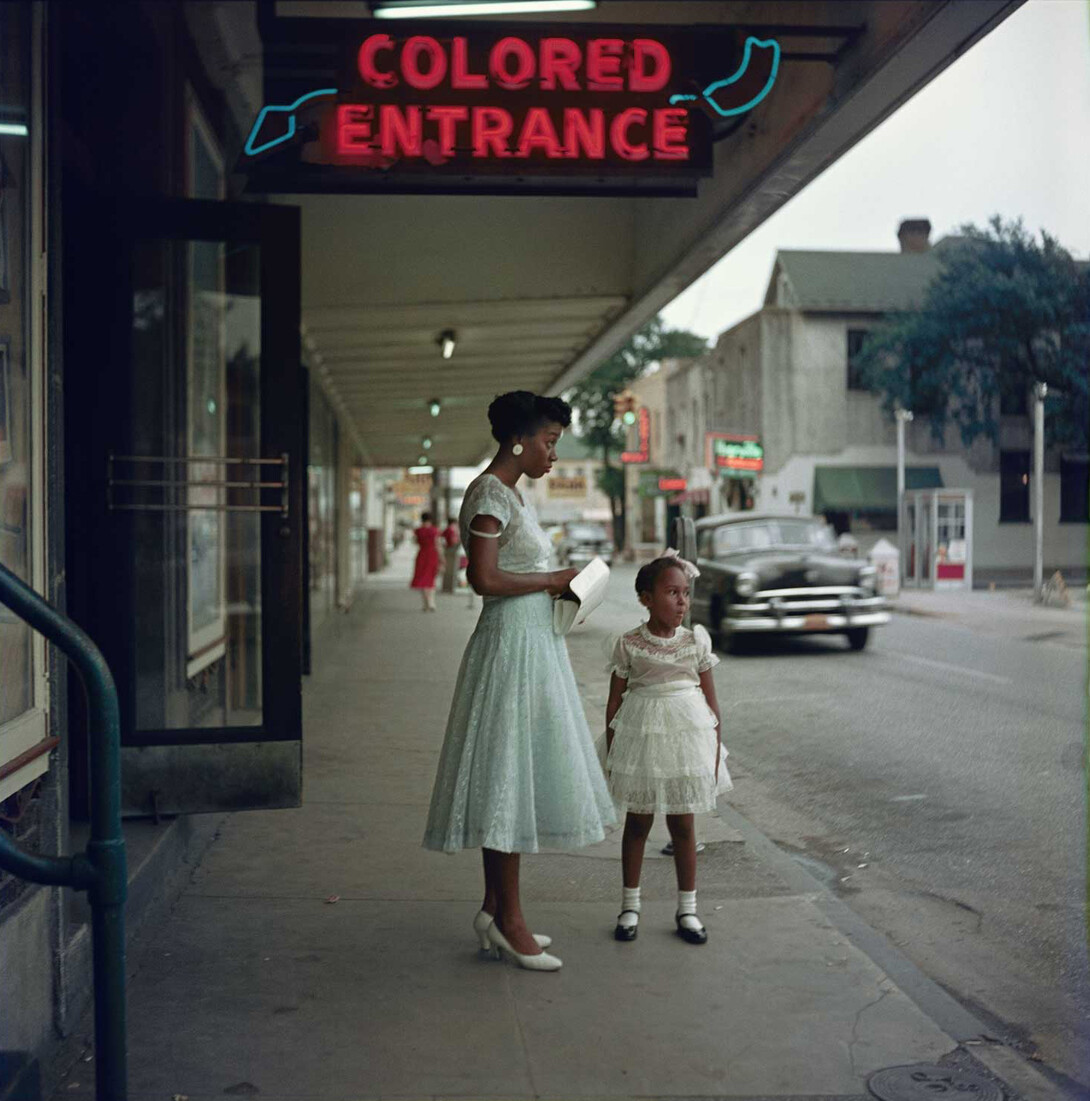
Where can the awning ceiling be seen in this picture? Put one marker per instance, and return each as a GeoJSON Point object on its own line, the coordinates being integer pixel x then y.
{"type": "Point", "coordinates": [867, 488]}
{"type": "Point", "coordinates": [540, 289]}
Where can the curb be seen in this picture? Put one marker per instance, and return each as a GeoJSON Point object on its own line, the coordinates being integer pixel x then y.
{"type": "Point", "coordinates": [964, 1028]}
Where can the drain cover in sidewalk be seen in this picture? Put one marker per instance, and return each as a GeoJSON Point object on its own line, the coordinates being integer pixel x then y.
{"type": "Point", "coordinates": [929, 1080]}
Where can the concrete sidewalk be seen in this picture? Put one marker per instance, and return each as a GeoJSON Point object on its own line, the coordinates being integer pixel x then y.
{"type": "Point", "coordinates": [1011, 612]}
{"type": "Point", "coordinates": [321, 952]}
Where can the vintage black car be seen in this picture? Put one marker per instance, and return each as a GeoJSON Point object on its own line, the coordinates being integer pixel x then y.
{"type": "Point", "coordinates": [762, 574]}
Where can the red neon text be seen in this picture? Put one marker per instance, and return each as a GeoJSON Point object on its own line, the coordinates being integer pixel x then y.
{"type": "Point", "coordinates": [573, 133]}
{"type": "Point", "coordinates": [551, 64]}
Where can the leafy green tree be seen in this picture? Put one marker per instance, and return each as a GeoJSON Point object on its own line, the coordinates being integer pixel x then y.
{"type": "Point", "coordinates": [593, 396]}
{"type": "Point", "coordinates": [1004, 311]}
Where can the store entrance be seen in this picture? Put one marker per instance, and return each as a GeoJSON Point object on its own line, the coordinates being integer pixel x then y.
{"type": "Point", "coordinates": [186, 456]}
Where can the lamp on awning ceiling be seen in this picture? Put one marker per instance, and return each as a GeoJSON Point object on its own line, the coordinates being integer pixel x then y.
{"type": "Point", "coordinates": [432, 9]}
{"type": "Point", "coordinates": [446, 341]}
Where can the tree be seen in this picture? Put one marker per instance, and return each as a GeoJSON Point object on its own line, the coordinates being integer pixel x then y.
{"type": "Point", "coordinates": [592, 398]}
{"type": "Point", "coordinates": [1003, 312]}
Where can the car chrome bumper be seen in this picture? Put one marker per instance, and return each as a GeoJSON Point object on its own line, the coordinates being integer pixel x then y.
{"type": "Point", "coordinates": [823, 612]}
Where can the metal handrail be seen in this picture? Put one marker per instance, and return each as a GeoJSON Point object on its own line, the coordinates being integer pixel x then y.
{"type": "Point", "coordinates": [100, 868]}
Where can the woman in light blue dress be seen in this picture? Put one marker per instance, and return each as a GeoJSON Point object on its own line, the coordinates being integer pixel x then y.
{"type": "Point", "coordinates": [518, 771]}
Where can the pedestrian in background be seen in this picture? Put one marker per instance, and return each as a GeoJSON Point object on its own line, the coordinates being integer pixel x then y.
{"type": "Point", "coordinates": [664, 747]}
{"type": "Point", "coordinates": [518, 771]}
{"type": "Point", "coordinates": [427, 561]}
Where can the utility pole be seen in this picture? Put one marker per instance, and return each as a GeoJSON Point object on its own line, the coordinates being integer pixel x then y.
{"type": "Point", "coordinates": [902, 416]}
{"type": "Point", "coordinates": [1040, 390]}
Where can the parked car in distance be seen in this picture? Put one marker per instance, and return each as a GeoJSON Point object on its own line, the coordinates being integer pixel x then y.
{"type": "Point", "coordinates": [583, 541]}
{"type": "Point", "coordinates": [777, 575]}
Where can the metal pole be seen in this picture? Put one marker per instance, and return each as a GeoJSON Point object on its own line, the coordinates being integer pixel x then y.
{"type": "Point", "coordinates": [102, 870]}
{"type": "Point", "coordinates": [902, 415]}
{"type": "Point", "coordinates": [1039, 391]}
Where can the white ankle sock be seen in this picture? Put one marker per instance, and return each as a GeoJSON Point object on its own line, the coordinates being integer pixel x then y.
{"type": "Point", "coordinates": [630, 900]}
{"type": "Point", "coordinates": [686, 909]}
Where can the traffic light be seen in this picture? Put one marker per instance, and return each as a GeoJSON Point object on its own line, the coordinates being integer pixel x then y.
{"type": "Point", "coordinates": [624, 407]}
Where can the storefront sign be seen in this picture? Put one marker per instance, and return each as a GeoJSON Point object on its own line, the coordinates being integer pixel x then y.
{"type": "Point", "coordinates": [557, 486]}
{"type": "Point", "coordinates": [659, 483]}
{"type": "Point", "coordinates": [643, 455]}
{"type": "Point", "coordinates": [454, 103]}
{"type": "Point", "coordinates": [737, 456]}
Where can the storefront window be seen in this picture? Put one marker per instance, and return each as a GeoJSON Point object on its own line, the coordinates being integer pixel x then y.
{"type": "Point", "coordinates": [16, 401]}
{"type": "Point", "coordinates": [321, 494]}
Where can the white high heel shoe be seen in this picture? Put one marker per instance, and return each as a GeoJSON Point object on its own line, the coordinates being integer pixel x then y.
{"type": "Point", "coordinates": [541, 962]}
{"type": "Point", "coordinates": [484, 919]}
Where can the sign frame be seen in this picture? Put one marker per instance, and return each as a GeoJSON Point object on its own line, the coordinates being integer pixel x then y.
{"type": "Point", "coordinates": [299, 97]}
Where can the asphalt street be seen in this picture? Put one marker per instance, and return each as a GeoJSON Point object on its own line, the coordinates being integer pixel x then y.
{"type": "Point", "coordinates": [935, 781]}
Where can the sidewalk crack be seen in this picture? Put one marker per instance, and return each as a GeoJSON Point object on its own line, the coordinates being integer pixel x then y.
{"type": "Point", "coordinates": [855, 1027]}
{"type": "Point", "coordinates": [522, 1033]}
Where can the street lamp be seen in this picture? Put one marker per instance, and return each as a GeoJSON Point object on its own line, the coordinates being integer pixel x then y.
{"type": "Point", "coordinates": [902, 416]}
{"type": "Point", "coordinates": [1040, 392]}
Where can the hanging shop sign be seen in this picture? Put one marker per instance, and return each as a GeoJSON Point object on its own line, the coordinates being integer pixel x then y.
{"type": "Point", "coordinates": [566, 487]}
{"type": "Point", "coordinates": [513, 106]}
{"type": "Point", "coordinates": [735, 456]}
{"type": "Point", "coordinates": [660, 483]}
{"type": "Point", "coordinates": [643, 429]}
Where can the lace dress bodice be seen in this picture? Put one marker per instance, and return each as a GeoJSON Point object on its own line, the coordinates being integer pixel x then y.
{"type": "Point", "coordinates": [523, 546]}
{"type": "Point", "coordinates": [646, 660]}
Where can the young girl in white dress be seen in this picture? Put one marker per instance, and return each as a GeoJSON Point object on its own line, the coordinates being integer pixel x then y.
{"type": "Point", "coordinates": [664, 748]}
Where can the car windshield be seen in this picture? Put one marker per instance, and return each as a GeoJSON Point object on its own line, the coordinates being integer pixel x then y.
{"type": "Point", "coordinates": [587, 533]}
{"type": "Point", "coordinates": [734, 538]}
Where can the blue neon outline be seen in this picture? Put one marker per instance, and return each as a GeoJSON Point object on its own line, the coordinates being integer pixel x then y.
{"type": "Point", "coordinates": [738, 74]}
{"type": "Point", "coordinates": [252, 150]}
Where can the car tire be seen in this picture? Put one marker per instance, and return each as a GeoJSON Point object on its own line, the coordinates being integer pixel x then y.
{"type": "Point", "coordinates": [857, 637]}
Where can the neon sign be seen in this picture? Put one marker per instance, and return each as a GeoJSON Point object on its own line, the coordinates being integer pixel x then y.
{"type": "Point", "coordinates": [643, 455]}
{"type": "Point", "coordinates": [472, 101]}
{"type": "Point", "coordinates": [739, 456]}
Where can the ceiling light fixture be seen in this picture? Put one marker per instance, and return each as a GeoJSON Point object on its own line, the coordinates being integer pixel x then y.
{"type": "Point", "coordinates": [431, 9]}
{"type": "Point", "coordinates": [435, 405]}
{"type": "Point", "coordinates": [14, 130]}
{"type": "Point", "coordinates": [423, 468]}
{"type": "Point", "coordinates": [425, 443]}
{"type": "Point", "coordinates": [446, 341]}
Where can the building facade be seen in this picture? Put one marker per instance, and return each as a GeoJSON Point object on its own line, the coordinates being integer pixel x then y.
{"type": "Point", "coordinates": [786, 374]}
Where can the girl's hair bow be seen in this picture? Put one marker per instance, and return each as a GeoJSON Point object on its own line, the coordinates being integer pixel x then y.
{"type": "Point", "coordinates": [687, 568]}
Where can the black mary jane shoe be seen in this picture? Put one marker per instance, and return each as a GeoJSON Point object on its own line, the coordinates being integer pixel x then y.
{"type": "Point", "coordinates": [626, 932]}
{"type": "Point", "coordinates": [693, 936]}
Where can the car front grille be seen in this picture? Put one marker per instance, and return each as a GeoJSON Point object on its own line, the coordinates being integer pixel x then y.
{"type": "Point", "coordinates": [802, 601]}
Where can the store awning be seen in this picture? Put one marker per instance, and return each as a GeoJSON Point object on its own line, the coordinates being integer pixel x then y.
{"type": "Point", "coordinates": [867, 488]}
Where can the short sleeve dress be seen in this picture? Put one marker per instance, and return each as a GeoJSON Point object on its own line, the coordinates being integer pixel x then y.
{"type": "Point", "coordinates": [518, 771]}
{"type": "Point", "coordinates": [662, 760]}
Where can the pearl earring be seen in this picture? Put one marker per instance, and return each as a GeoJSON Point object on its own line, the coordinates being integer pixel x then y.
{"type": "Point", "coordinates": [517, 449]}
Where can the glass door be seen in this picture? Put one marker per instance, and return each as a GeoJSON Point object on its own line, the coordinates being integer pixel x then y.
{"type": "Point", "coordinates": [201, 450]}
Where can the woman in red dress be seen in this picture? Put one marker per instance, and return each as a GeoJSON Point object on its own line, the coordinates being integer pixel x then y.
{"type": "Point", "coordinates": [427, 561]}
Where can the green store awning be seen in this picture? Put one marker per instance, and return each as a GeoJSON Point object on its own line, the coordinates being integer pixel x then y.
{"type": "Point", "coordinates": [850, 488]}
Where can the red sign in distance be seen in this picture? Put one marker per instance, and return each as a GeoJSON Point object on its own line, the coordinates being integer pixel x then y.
{"type": "Point", "coordinates": [672, 485]}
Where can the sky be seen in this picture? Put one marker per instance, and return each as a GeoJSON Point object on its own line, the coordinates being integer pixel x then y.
{"type": "Point", "coordinates": [1003, 130]}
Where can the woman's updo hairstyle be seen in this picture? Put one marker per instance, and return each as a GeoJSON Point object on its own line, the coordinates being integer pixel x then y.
{"type": "Point", "coordinates": [520, 413]}
{"type": "Point", "coordinates": [648, 575]}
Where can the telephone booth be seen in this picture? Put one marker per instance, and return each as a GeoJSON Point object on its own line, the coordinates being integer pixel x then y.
{"type": "Point", "coordinates": [938, 539]}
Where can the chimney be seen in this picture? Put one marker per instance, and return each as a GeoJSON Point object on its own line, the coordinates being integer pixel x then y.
{"type": "Point", "coordinates": [913, 234]}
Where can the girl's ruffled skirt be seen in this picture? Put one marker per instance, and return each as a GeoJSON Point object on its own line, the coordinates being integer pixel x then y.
{"type": "Point", "coordinates": [663, 756]}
